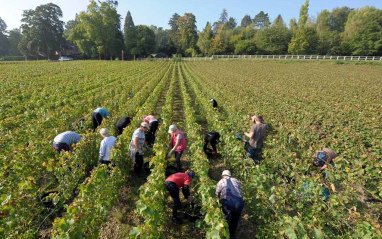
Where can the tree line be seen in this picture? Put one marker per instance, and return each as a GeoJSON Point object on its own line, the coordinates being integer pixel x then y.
{"type": "Point", "coordinates": [96, 32]}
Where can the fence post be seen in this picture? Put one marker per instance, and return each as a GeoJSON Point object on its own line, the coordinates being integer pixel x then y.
{"type": "Point", "coordinates": [358, 58]}
{"type": "Point", "coordinates": [373, 58]}
{"type": "Point", "coordinates": [366, 58]}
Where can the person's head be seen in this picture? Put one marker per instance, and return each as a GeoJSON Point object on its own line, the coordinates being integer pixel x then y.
{"type": "Point", "coordinates": [104, 132]}
{"type": "Point", "coordinates": [190, 173]}
{"type": "Point", "coordinates": [172, 129]}
{"type": "Point", "coordinates": [258, 119]}
{"type": "Point", "coordinates": [226, 173]}
{"type": "Point", "coordinates": [144, 126]}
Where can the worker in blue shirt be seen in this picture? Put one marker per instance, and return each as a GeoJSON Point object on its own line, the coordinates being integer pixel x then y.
{"type": "Point", "coordinates": [97, 116]}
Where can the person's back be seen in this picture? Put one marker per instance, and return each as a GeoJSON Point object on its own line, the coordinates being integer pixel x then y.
{"type": "Point", "coordinates": [67, 137]}
{"type": "Point", "coordinates": [259, 134]}
{"type": "Point", "coordinates": [106, 144]}
{"type": "Point", "coordinates": [122, 123]}
{"type": "Point", "coordinates": [102, 111]}
{"type": "Point", "coordinates": [180, 179]}
{"type": "Point", "coordinates": [65, 140]}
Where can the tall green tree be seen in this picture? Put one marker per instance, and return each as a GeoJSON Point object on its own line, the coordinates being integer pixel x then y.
{"type": "Point", "coordinates": [261, 20]}
{"type": "Point", "coordinates": [28, 44]}
{"type": "Point", "coordinates": [363, 31]}
{"type": "Point", "coordinates": [275, 39]}
{"type": "Point", "coordinates": [173, 43]}
{"type": "Point", "coordinates": [4, 42]}
{"type": "Point", "coordinates": [14, 39]}
{"type": "Point", "coordinates": [69, 26]}
{"type": "Point", "coordinates": [129, 33]}
{"type": "Point", "coordinates": [231, 24]}
{"type": "Point", "coordinates": [223, 19]}
{"type": "Point", "coordinates": [204, 41]}
{"type": "Point", "coordinates": [246, 21]}
{"type": "Point", "coordinates": [145, 41]}
{"type": "Point", "coordinates": [187, 35]}
{"type": "Point", "coordinates": [98, 30]}
{"type": "Point", "coordinates": [305, 39]}
{"type": "Point", "coordinates": [45, 25]}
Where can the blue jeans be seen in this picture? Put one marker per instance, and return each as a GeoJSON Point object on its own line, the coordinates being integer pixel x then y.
{"type": "Point", "coordinates": [177, 158]}
{"type": "Point", "coordinates": [253, 153]}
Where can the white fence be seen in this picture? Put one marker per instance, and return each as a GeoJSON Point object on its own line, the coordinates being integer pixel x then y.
{"type": "Point", "coordinates": [300, 57]}
{"type": "Point", "coordinates": [274, 57]}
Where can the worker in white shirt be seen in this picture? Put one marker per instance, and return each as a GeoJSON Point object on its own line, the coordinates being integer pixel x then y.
{"type": "Point", "coordinates": [107, 143]}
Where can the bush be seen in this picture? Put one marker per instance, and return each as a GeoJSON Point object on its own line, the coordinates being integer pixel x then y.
{"type": "Point", "coordinates": [12, 58]}
{"type": "Point", "coordinates": [177, 57]}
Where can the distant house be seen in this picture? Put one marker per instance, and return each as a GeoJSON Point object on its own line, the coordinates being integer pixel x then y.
{"type": "Point", "coordinates": [68, 49]}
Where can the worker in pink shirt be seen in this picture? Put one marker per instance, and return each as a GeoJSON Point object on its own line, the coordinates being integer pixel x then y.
{"type": "Point", "coordinates": [177, 144]}
{"type": "Point", "coordinates": [153, 126]}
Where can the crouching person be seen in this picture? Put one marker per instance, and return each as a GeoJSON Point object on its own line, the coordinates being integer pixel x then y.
{"type": "Point", "coordinates": [173, 183]}
{"type": "Point", "coordinates": [107, 143]}
{"type": "Point", "coordinates": [229, 191]}
{"type": "Point", "coordinates": [211, 138]}
{"type": "Point", "coordinates": [65, 140]}
{"type": "Point", "coordinates": [322, 158]}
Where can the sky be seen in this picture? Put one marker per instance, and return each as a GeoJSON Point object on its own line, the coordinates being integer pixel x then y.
{"type": "Point", "coordinates": [158, 12]}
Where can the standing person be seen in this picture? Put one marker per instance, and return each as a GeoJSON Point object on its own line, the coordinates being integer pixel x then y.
{"type": "Point", "coordinates": [177, 144]}
{"type": "Point", "coordinates": [122, 123]}
{"type": "Point", "coordinates": [211, 138]}
{"type": "Point", "coordinates": [173, 183]}
{"type": "Point", "coordinates": [65, 140]}
{"type": "Point", "coordinates": [153, 126]}
{"type": "Point", "coordinates": [256, 137]}
{"type": "Point", "coordinates": [97, 116]}
{"type": "Point", "coordinates": [107, 143]}
{"type": "Point", "coordinates": [229, 191]}
{"type": "Point", "coordinates": [136, 145]}
{"type": "Point", "coordinates": [322, 158]}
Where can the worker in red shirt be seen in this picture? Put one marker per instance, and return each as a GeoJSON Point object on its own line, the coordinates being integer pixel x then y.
{"type": "Point", "coordinates": [173, 183]}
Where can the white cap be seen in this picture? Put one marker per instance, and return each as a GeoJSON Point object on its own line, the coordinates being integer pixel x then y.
{"type": "Point", "coordinates": [226, 173]}
{"type": "Point", "coordinates": [104, 132]}
{"type": "Point", "coordinates": [172, 128]}
{"type": "Point", "coordinates": [145, 125]}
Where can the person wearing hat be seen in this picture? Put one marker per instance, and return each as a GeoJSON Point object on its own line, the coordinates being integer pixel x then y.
{"type": "Point", "coordinates": [122, 123]}
{"type": "Point", "coordinates": [322, 158]}
{"type": "Point", "coordinates": [177, 144]}
{"type": "Point", "coordinates": [136, 146]}
{"type": "Point", "coordinates": [65, 140]}
{"type": "Point", "coordinates": [98, 115]}
{"type": "Point", "coordinates": [107, 143]}
{"type": "Point", "coordinates": [229, 191]}
{"type": "Point", "coordinates": [214, 103]}
{"type": "Point", "coordinates": [153, 126]}
{"type": "Point", "coordinates": [256, 137]}
{"type": "Point", "coordinates": [211, 138]}
{"type": "Point", "coordinates": [173, 183]}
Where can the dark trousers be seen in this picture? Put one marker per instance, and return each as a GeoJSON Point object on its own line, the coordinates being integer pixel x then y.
{"type": "Point", "coordinates": [177, 158]}
{"type": "Point", "coordinates": [138, 165]}
{"type": "Point", "coordinates": [97, 120]}
{"type": "Point", "coordinates": [232, 207]}
{"type": "Point", "coordinates": [253, 153]}
{"type": "Point", "coordinates": [60, 146]}
{"type": "Point", "coordinates": [150, 135]}
{"type": "Point", "coordinates": [174, 193]}
{"type": "Point", "coordinates": [213, 144]}
{"type": "Point", "coordinates": [119, 129]}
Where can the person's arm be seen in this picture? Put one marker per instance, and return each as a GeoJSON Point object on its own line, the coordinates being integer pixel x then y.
{"type": "Point", "coordinates": [176, 145]}
{"type": "Point", "coordinates": [136, 141]}
{"type": "Point", "coordinates": [102, 150]}
{"type": "Point", "coordinates": [186, 191]}
{"type": "Point", "coordinates": [250, 134]}
{"type": "Point", "coordinates": [324, 167]}
{"type": "Point", "coordinates": [218, 190]}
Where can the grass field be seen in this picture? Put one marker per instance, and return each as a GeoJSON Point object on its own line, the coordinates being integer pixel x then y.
{"type": "Point", "coordinates": [307, 105]}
